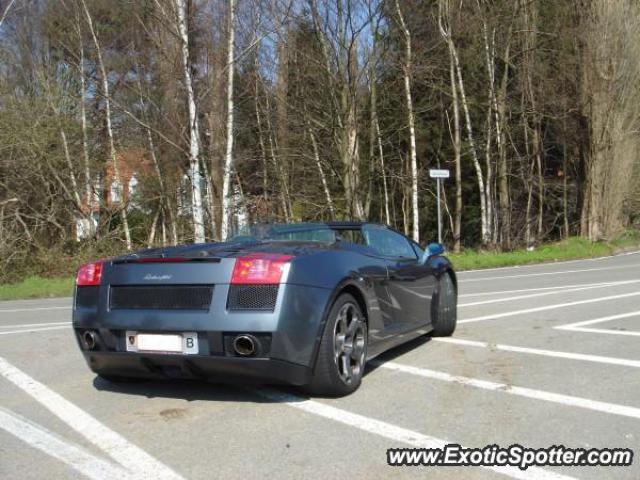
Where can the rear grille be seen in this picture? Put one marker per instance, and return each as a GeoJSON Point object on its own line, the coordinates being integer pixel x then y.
{"type": "Point", "coordinates": [161, 297]}
{"type": "Point", "coordinates": [252, 297]}
{"type": "Point", "coordinates": [87, 297]}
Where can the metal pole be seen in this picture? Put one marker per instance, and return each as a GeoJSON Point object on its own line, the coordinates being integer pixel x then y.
{"type": "Point", "coordinates": [439, 213]}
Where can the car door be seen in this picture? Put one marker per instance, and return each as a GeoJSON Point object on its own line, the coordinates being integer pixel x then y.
{"type": "Point", "coordinates": [411, 283]}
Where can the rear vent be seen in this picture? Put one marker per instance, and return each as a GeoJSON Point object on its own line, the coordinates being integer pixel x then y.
{"type": "Point", "coordinates": [87, 297]}
{"type": "Point", "coordinates": [161, 297]}
{"type": "Point", "coordinates": [252, 297]}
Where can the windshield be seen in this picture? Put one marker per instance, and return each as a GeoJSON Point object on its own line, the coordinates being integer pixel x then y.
{"type": "Point", "coordinates": [301, 232]}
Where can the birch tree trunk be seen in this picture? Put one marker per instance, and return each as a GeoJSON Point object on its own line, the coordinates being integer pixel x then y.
{"type": "Point", "coordinates": [323, 178]}
{"type": "Point", "coordinates": [263, 150]}
{"type": "Point", "coordinates": [384, 174]}
{"type": "Point", "coordinates": [88, 190]}
{"type": "Point", "coordinates": [411, 121]}
{"type": "Point", "coordinates": [194, 130]}
{"type": "Point", "coordinates": [285, 199]}
{"type": "Point", "coordinates": [107, 103]}
{"type": "Point", "coordinates": [489, 186]}
{"type": "Point", "coordinates": [443, 17]}
{"type": "Point", "coordinates": [72, 174]}
{"type": "Point", "coordinates": [228, 159]}
{"type": "Point", "coordinates": [376, 141]}
{"type": "Point", "coordinates": [503, 169]}
{"type": "Point", "coordinates": [457, 148]}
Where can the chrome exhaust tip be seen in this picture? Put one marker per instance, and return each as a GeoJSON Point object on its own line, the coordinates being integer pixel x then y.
{"type": "Point", "coordinates": [90, 340]}
{"type": "Point", "coordinates": [245, 345]}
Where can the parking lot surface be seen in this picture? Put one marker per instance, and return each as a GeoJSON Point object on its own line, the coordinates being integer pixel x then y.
{"type": "Point", "coordinates": [543, 355]}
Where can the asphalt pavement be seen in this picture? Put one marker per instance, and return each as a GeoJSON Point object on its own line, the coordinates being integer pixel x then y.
{"type": "Point", "coordinates": [543, 355]}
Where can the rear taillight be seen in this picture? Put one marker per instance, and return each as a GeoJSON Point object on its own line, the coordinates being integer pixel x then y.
{"type": "Point", "coordinates": [259, 269]}
{"type": "Point", "coordinates": [89, 274]}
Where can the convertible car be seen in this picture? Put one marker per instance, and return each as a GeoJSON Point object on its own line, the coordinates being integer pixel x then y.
{"type": "Point", "coordinates": [301, 304]}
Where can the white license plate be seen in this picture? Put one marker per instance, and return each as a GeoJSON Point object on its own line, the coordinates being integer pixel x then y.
{"type": "Point", "coordinates": [185, 343]}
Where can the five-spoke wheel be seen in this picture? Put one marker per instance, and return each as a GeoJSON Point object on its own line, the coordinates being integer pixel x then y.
{"type": "Point", "coordinates": [349, 343]}
{"type": "Point", "coordinates": [343, 349]}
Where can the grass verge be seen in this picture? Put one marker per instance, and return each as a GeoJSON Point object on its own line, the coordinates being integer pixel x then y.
{"type": "Point", "coordinates": [37, 287]}
{"type": "Point", "coordinates": [570, 249]}
{"type": "Point", "coordinates": [573, 248]}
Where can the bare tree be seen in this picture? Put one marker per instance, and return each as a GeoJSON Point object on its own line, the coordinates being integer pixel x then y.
{"type": "Point", "coordinates": [611, 102]}
{"type": "Point", "coordinates": [445, 30]}
{"type": "Point", "coordinates": [107, 103]}
{"type": "Point", "coordinates": [228, 159]}
{"type": "Point", "coordinates": [194, 130]}
{"type": "Point", "coordinates": [457, 148]}
{"type": "Point", "coordinates": [406, 70]}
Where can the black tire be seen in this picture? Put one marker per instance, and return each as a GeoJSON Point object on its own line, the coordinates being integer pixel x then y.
{"type": "Point", "coordinates": [444, 307]}
{"type": "Point", "coordinates": [340, 363]}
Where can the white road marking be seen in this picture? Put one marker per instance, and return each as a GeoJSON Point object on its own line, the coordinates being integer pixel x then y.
{"type": "Point", "coordinates": [394, 433]}
{"type": "Point", "coordinates": [568, 400]}
{"type": "Point", "coordinates": [495, 316]}
{"type": "Point", "coordinates": [606, 331]}
{"type": "Point", "coordinates": [25, 325]}
{"type": "Point", "coordinates": [547, 353]}
{"type": "Point", "coordinates": [35, 309]}
{"type": "Point", "coordinates": [535, 289]}
{"type": "Point", "coordinates": [30, 330]}
{"type": "Point", "coordinates": [483, 279]}
{"type": "Point", "coordinates": [48, 442]}
{"type": "Point", "coordinates": [543, 294]}
{"type": "Point", "coordinates": [115, 445]}
{"type": "Point", "coordinates": [579, 326]}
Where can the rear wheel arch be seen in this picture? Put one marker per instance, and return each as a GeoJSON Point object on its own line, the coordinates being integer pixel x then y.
{"type": "Point", "coordinates": [335, 373]}
{"type": "Point", "coordinates": [346, 286]}
{"type": "Point", "coordinates": [356, 293]}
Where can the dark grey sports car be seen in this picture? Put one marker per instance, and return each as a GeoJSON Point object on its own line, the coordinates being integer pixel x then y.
{"type": "Point", "coordinates": [302, 304]}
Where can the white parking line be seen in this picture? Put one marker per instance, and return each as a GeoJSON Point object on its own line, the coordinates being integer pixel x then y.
{"type": "Point", "coordinates": [495, 316]}
{"type": "Point", "coordinates": [540, 274]}
{"type": "Point", "coordinates": [605, 331]}
{"type": "Point", "coordinates": [29, 330]}
{"type": "Point", "coordinates": [48, 442]}
{"type": "Point", "coordinates": [568, 400]}
{"type": "Point", "coordinates": [543, 294]}
{"type": "Point", "coordinates": [115, 445]}
{"type": "Point", "coordinates": [547, 353]}
{"type": "Point", "coordinates": [579, 326]}
{"type": "Point", "coordinates": [35, 309]}
{"type": "Point", "coordinates": [393, 432]}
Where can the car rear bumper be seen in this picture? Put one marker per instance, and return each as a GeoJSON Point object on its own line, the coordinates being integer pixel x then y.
{"type": "Point", "coordinates": [203, 367]}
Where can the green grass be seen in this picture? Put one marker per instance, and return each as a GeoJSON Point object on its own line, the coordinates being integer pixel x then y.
{"type": "Point", "coordinates": [570, 249]}
{"type": "Point", "coordinates": [37, 287]}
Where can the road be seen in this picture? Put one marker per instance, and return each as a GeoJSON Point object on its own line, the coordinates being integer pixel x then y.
{"type": "Point", "coordinates": [543, 355]}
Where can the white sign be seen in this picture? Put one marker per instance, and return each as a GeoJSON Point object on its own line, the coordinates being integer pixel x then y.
{"type": "Point", "coordinates": [435, 173]}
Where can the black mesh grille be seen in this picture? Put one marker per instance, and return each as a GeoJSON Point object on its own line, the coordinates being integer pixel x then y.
{"type": "Point", "coordinates": [161, 297]}
{"type": "Point", "coordinates": [87, 297]}
{"type": "Point", "coordinates": [252, 297]}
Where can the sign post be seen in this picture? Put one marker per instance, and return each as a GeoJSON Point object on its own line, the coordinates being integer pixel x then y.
{"type": "Point", "coordinates": [439, 174]}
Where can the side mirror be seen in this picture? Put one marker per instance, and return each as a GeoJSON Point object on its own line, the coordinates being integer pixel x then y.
{"type": "Point", "coordinates": [432, 249]}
